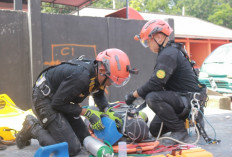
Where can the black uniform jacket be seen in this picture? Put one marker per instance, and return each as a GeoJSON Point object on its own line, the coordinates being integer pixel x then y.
{"type": "Point", "coordinates": [71, 84]}
{"type": "Point", "coordinates": [172, 72]}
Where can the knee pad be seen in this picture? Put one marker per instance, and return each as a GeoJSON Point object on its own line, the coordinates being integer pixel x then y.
{"type": "Point", "coordinates": [46, 115]}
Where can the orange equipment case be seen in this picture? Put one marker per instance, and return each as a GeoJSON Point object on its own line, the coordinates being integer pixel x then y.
{"type": "Point", "coordinates": [197, 152]}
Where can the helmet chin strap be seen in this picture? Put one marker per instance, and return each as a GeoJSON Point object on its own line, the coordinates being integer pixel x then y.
{"type": "Point", "coordinates": [104, 81]}
{"type": "Point", "coordinates": [161, 46]}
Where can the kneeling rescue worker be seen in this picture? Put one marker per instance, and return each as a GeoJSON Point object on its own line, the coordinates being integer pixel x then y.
{"type": "Point", "coordinates": [58, 92]}
{"type": "Point", "coordinates": [172, 85]}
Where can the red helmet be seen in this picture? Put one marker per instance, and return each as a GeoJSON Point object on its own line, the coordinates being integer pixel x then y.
{"type": "Point", "coordinates": [117, 65]}
{"type": "Point", "coordinates": [152, 27]}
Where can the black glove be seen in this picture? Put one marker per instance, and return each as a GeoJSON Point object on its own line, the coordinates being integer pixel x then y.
{"type": "Point", "coordinates": [129, 99]}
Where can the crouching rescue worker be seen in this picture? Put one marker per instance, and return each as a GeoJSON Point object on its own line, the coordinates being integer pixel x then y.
{"type": "Point", "coordinates": [172, 85]}
{"type": "Point", "coordinates": [58, 91]}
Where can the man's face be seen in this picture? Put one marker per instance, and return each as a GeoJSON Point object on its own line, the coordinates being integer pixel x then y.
{"type": "Point", "coordinates": [153, 46]}
{"type": "Point", "coordinates": [153, 42]}
{"type": "Point", "coordinates": [101, 77]}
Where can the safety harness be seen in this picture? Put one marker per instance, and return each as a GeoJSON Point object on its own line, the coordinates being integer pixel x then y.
{"type": "Point", "coordinates": [197, 101]}
{"type": "Point", "coordinates": [44, 86]}
{"type": "Point", "coordinates": [181, 48]}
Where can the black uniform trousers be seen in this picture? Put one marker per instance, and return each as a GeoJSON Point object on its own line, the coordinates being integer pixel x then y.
{"type": "Point", "coordinates": [166, 105]}
{"type": "Point", "coordinates": [59, 127]}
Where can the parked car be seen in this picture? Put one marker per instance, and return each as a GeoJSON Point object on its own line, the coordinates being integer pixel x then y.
{"type": "Point", "coordinates": [216, 70]}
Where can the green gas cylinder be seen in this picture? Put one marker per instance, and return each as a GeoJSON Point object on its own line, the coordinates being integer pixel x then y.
{"type": "Point", "coordinates": [97, 148]}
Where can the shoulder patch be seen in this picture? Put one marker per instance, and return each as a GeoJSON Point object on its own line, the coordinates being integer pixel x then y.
{"type": "Point", "coordinates": [160, 74]}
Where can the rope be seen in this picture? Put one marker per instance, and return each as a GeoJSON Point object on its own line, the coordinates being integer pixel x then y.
{"type": "Point", "coordinates": [195, 107]}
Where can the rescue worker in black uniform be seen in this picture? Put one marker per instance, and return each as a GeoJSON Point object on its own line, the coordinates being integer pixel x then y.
{"type": "Point", "coordinates": [58, 92]}
{"type": "Point", "coordinates": [173, 80]}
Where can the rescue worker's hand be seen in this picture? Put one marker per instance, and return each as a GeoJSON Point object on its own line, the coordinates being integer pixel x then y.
{"type": "Point", "coordinates": [94, 118]}
{"type": "Point", "coordinates": [114, 116]}
{"type": "Point", "coordinates": [129, 99]}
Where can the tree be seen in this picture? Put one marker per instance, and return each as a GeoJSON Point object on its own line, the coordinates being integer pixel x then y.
{"type": "Point", "coordinates": [162, 6]}
{"type": "Point", "coordinates": [137, 4]}
{"type": "Point", "coordinates": [103, 4]}
{"type": "Point", "coordinates": [109, 4]}
{"type": "Point", "coordinates": [197, 8]}
{"type": "Point", "coordinates": [215, 11]}
{"type": "Point", "coordinates": [56, 8]}
{"type": "Point", "coordinates": [222, 15]}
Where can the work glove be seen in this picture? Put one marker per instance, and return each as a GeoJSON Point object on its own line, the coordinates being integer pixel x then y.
{"type": "Point", "coordinates": [94, 118]}
{"type": "Point", "coordinates": [114, 116]}
{"type": "Point", "coordinates": [129, 99]}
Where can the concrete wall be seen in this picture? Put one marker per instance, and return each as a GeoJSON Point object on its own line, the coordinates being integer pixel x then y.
{"type": "Point", "coordinates": [14, 57]}
{"type": "Point", "coordinates": [65, 37]}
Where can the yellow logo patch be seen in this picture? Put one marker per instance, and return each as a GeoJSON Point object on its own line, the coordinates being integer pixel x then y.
{"type": "Point", "coordinates": [160, 74]}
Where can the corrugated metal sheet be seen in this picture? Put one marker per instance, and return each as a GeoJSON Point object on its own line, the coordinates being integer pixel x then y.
{"type": "Point", "coordinates": [76, 3]}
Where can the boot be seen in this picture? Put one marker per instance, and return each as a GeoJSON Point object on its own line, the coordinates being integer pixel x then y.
{"type": "Point", "coordinates": [2, 147]}
{"type": "Point", "coordinates": [179, 135]}
{"type": "Point", "coordinates": [30, 129]}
